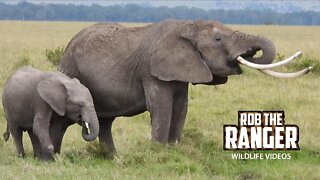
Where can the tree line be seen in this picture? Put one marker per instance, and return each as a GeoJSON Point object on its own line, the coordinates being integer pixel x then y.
{"type": "Point", "coordinates": [136, 13]}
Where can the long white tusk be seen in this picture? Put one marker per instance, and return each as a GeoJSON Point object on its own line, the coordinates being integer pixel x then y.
{"type": "Point", "coordinates": [286, 75]}
{"type": "Point", "coordinates": [265, 68]}
{"type": "Point", "coordinates": [268, 66]}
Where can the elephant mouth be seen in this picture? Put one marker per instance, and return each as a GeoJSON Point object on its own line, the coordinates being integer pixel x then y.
{"type": "Point", "coordinates": [201, 55]}
{"type": "Point", "coordinates": [83, 124]}
{"type": "Point", "coordinates": [79, 120]}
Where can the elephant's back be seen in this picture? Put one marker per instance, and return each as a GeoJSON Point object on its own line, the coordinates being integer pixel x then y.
{"type": "Point", "coordinates": [100, 44]}
{"type": "Point", "coordinates": [95, 34]}
{"type": "Point", "coordinates": [18, 93]}
{"type": "Point", "coordinates": [23, 76]}
{"type": "Point", "coordinates": [22, 81]}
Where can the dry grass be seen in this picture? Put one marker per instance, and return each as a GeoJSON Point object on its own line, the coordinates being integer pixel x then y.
{"type": "Point", "coordinates": [200, 155]}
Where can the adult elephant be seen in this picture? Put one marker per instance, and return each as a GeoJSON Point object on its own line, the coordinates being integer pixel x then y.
{"type": "Point", "coordinates": [131, 70]}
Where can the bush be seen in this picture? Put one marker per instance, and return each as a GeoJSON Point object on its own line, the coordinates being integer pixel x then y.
{"type": "Point", "coordinates": [54, 55]}
{"type": "Point", "coordinates": [305, 62]}
{"type": "Point", "coordinates": [301, 63]}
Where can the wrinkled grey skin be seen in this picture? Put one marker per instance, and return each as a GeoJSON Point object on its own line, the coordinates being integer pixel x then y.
{"type": "Point", "coordinates": [131, 70]}
{"type": "Point", "coordinates": [44, 104]}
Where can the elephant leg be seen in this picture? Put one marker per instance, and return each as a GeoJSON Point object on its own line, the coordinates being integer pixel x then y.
{"type": "Point", "coordinates": [35, 144]}
{"type": "Point", "coordinates": [105, 136]}
{"type": "Point", "coordinates": [47, 148]}
{"type": "Point", "coordinates": [180, 107]}
{"type": "Point", "coordinates": [57, 131]}
{"type": "Point", "coordinates": [57, 141]}
{"type": "Point", "coordinates": [159, 98]}
{"type": "Point", "coordinates": [17, 137]}
{"type": "Point", "coordinates": [41, 124]}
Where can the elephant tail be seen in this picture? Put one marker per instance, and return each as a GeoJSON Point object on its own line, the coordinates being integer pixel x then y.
{"type": "Point", "coordinates": [6, 107]}
{"type": "Point", "coordinates": [6, 134]}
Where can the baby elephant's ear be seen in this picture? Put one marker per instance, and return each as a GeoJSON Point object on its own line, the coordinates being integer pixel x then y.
{"type": "Point", "coordinates": [53, 92]}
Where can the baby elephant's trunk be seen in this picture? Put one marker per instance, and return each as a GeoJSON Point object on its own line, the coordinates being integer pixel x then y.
{"type": "Point", "coordinates": [90, 127]}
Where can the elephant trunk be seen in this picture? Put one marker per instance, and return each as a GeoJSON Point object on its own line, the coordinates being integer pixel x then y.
{"type": "Point", "coordinates": [266, 46]}
{"type": "Point", "coordinates": [90, 127]}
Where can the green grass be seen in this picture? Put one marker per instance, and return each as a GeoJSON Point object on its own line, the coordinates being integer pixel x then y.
{"type": "Point", "coordinates": [200, 154]}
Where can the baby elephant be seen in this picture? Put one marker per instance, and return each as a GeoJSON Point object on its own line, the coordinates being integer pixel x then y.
{"type": "Point", "coordinates": [44, 104]}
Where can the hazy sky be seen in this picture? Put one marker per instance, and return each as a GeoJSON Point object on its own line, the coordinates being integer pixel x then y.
{"type": "Point", "coordinates": [278, 5]}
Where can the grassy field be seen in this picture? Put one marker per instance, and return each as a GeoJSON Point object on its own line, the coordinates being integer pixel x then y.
{"type": "Point", "coordinates": [200, 154]}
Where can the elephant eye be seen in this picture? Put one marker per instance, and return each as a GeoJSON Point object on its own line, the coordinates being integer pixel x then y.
{"type": "Point", "coordinates": [218, 37]}
{"type": "Point", "coordinates": [80, 104]}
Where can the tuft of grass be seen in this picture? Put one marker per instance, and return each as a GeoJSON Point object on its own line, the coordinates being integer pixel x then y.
{"type": "Point", "coordinates": [54, 55]}
{"type": "Point", "coordinates": [99, 150]}
{"type": "Point", "coordinates": [305, 62]}
{"type": "Point", "coordinates": [24, 60]}
{"type": "Point", "coordinates": [301, 63]}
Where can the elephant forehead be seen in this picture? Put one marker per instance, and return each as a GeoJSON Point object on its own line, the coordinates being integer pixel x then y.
{"type": "Point", "coordinates": [220, 27]}
{"type": "Point", "coordinates": [81, 89]}
{"type": "Point", "coordinates": [78, 89]}
{"type": "Point", "coordinates": [80, 98]}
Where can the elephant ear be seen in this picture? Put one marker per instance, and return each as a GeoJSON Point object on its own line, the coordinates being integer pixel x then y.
{"type": "Point", "coordinates": [189, 32]}
{"type": "Point", "coordinates": [176, 59]}
{"type": "Point", "coordinates": [53, 92]}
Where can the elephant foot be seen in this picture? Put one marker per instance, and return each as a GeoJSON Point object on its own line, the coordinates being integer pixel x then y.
{"type": "Point", "coordinates": [22, 155]}
{"type": "Point", "coordinates": [46, 157]}
{"type": "Point", "coordinates": [106, 145]}
{"type": "Point", "coordinates": [107, 151]}
{"type": "Point", "coordinates": [47, 154]}
{"type": "Point", "coordinates": [110, 154]}
{"type": "Point", "coordinates": [160, 138]}
{"type": "Point", "coordinates": [174, 141]}
{"type": "Point", "coordinates": [56, 152]}
{"type": "Point", "coordinates": [174, 138]}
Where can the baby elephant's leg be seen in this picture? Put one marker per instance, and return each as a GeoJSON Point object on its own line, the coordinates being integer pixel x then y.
{"type": "Point", "coordinates": [45, 142]}
{"type": "Point", "coordinates": [17, 137]}
{"type": "Point", "coordinates": [41, 130]}
{"type": "Point", "coordinates": [35, 144]}
{"type": "Point", "coordinates": [41, 125]}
